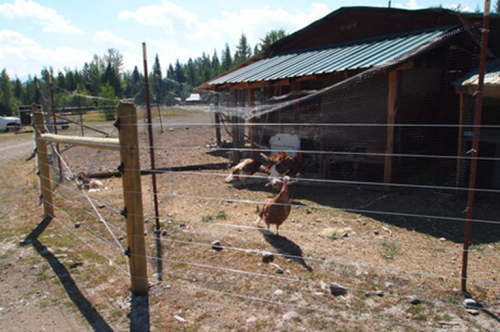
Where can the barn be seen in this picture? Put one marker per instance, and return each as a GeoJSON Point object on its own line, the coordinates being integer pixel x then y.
{"type": "Point", "coordinates": [370, 94]}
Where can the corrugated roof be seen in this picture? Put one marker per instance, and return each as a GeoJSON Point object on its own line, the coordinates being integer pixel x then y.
{"type": "Point", "coordinates": [492, 76]}
{"type": "Point", "coordinates": [339, 57]}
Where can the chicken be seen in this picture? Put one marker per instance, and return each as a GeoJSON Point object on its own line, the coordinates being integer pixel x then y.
{"type": "Point", "coordinates": [90, 183]}
{"type": "Point", "coordinates": [245, 167]}
{"type": "Point", "coordinates": [282, 164]}
{"type": "Point", "coordinates": [276, 210]}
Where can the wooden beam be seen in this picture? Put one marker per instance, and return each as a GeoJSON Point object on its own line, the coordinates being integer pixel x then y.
{"type": "Point", "coordinates": [43, 164]}
{"type": "Point", "coordinates": [460, 134]}
{"type": "Point", "coordinates": [307, 78]}
{"type": "Point", "coordinates": [132, 197]}
{"type": "Point", "coordinates": [405, 66]}
{"type": "Point", "coordinates": [90, 142]}
{"type": "Point", "coordinates": [391, 115]}
{"type": "Point", "coordinates": [282, 82]}
{"type": "Point", "coordinates": [238, 86]}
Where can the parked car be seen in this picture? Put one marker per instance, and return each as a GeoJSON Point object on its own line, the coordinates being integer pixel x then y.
{"type": "Point", "coordinates": [9, 123]}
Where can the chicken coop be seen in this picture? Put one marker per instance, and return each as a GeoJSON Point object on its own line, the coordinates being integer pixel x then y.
{"type": "Point", "coordinates": [367, 91]}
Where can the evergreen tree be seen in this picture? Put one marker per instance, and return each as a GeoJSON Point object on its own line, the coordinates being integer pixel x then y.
{"type": "Point", "coordinates": [270, 38]}
{"type": "Point", "coordinates": [190, 73]}
{"type": "Point", "coordinates": [6, 102]}
{"type": "Point", "coordinates": [227, 60]}
{"type": "Point", "coordinates": [216, 68]}
{"type": "Point", "coordinates": [243, 51]}
{"type": "Point", "coordinates": [18, 89]}
{"type": "Point", "coordinates": [61, 80]}
{"type": "Point", "coordinates": [179, 73]}
{"type": "Point", "coordinates": [110, 77]}
{"type": "Point", "coordinates": [157, 81]}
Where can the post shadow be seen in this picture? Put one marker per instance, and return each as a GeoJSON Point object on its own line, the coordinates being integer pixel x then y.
{"type": "Point", "coordinates": [285, 247]}
{"type": "Point", "coordinates": [93, 317]}
{"type": "Point", "coordinates": [139, 313]}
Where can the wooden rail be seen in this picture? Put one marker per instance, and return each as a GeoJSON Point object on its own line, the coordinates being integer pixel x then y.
{"type": "Point", "coordinates": [90, 142]}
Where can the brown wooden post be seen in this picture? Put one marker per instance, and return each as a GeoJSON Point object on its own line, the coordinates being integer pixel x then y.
{"type": "Point", "coordinates": [460, 134]}
{"type": "Point", "coordinates": [251, 103]}
{"type": "Point", "coordinates": [391, 115]}
{"type": "Point", "coordinates": [217, 120]}
{"type": "Point", "coordinates": [43, 164]}
{"type": "Point", "coordinates": [131, 179]}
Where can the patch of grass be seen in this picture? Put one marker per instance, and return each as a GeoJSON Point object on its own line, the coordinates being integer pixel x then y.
{"type": "Point", "coordinates": [41, 275]}
{"type": "Point", "coordinates": [221, 215]}
{"type": "Point", "coordinates": [389, 250]}
{"type": "Point", "coordinates": [207, 218]}
{"type": "Point", "coordinates": [476, 247]}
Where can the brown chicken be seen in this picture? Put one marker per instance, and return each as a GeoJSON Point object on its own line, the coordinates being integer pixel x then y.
{"type": "Point", "coordinates": [245, 167]}
{"type": "Point", "coordinates": [282, 164]}
{"type": "Point", "coordinates": [276, 210]}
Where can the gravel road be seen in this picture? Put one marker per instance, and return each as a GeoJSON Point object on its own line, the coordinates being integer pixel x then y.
{"type": "Point", "coordinates": [15, 145]}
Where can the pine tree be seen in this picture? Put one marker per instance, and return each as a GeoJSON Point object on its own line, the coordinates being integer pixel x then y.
{"type": "Point", "coordinates": [270, 38]}
{"type": "Point", "coordinates": [243, 51]}
{"type": "Point", "coordinates": [157, 81]}
{"type": "Point", "coordinates": [6, 102]}
{"type": "Point", "coordinates": [227, 60]}
{"type": "Point", "coordinates": [216, 68]}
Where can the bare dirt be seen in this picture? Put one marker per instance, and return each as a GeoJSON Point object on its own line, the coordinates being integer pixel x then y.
{"type": "Point", "coordinates": [54, 276]}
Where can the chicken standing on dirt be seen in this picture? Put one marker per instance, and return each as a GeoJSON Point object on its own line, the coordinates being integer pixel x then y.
{"type": "Point", "coordinates": [276, 210]}
{"type": "Point", "coordinates": [245, 167]}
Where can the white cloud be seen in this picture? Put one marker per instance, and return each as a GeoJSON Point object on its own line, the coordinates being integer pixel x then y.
{"type": "Point", "coordinates": [253, 22]}
{"type": "Point", "coordinates": [28, 57]}
{"type": "Point", "coordinates": [413, 4]}
{"type": "Point", "coordinates": [168, 15]}
{"type": "Point", "coordinates": [109, 38]}
{"type": "Point", "coordinates": [47, 17]}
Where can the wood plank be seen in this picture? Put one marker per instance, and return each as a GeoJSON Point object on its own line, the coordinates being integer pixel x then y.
{"type": "Point", "coordinates": [90, 142]}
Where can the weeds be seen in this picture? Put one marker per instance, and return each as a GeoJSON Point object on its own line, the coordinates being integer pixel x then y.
{"type": "Point", "coordinates": [389, 250]}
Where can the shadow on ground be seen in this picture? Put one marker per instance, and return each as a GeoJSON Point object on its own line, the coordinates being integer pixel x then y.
{"type": "Point", "coordinates": [93, 317]}
{"type": "Point", "coordinates": [288, 249]}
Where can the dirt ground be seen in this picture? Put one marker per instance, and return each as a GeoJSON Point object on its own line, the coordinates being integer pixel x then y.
{"type": "Point", "coordinates": [383, 246]}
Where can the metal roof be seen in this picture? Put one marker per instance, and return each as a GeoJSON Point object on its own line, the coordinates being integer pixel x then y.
{"type": "Point", "coordinates": [359, 54]}
{"type": "Point", "coordinates": [491, 77]}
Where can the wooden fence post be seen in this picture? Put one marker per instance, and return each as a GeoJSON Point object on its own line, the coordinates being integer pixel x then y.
{"type": "Point", "coordinates": [132, 196]}
{"type": "Point", "coordinates": [43, 164]}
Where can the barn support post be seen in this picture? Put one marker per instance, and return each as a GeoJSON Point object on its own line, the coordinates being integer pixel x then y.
{"type": "Point", "coordinates": [475, 141]}
{"type": "Point", "coordinates": [391, 116]}
{"type": "Point", "coordinates": [460, 140]}
{"type": "Point", "coordinates": [43, 164]}
{"type": "Point", "coordinates": [217, 120]}
{"type": "Point", "coordinates": [235, 159]}
{"type": "Point", "coordinates": [251, 103]}
{"type": "Point", "coordinates": [132, 196]}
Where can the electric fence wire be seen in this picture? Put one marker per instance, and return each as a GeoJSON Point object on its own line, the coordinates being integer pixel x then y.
{"type": "Point", "coordinates": [315, 234]}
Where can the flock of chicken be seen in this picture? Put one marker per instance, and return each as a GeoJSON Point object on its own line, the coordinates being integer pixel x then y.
{"type": "Point", "coordinates": [275, 210]}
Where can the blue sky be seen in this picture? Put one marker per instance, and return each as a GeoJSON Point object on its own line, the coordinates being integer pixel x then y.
{"type": "Point", "coordinates": [65, 34]}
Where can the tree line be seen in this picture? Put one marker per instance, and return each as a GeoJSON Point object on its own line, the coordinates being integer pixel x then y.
{"type": "Point", "coordinates": [104, 79]}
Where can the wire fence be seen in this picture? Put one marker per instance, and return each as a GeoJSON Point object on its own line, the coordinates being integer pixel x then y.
{"type": "Point", "coordinates": [382, 242]}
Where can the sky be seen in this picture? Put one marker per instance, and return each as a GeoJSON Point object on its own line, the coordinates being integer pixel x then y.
{"type": "Point", "coordinates": [65, 34]}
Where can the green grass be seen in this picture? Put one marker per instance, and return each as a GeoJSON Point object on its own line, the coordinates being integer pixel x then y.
{"type": "Point", "coordinates": [389, 250]}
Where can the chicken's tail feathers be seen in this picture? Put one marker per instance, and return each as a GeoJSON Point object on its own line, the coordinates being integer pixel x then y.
{"type": "Point", "coordinates": [259, 219]}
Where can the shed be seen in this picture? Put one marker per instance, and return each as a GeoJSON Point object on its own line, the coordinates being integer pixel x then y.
{"type": "Point", "coordinates": [363, 84]}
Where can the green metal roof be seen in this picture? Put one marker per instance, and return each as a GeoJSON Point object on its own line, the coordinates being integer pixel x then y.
{"type": "Point", "coordinates": [351, 55]}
